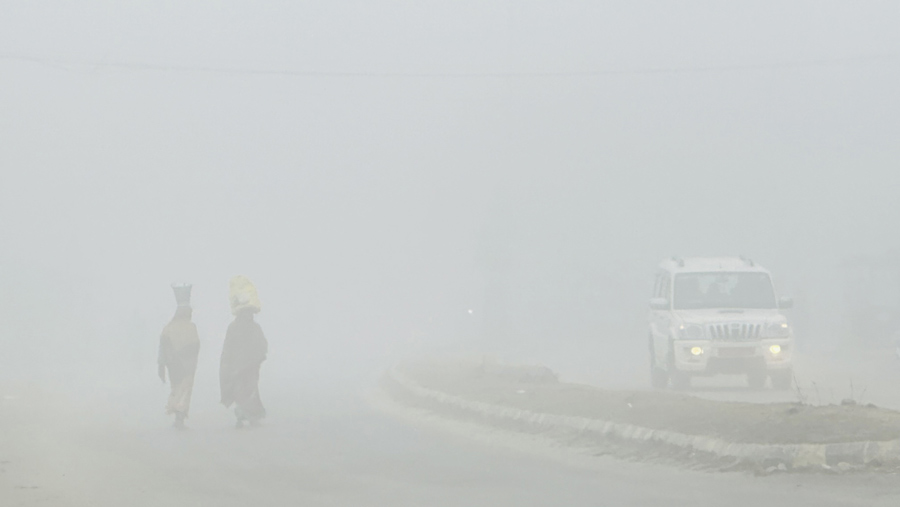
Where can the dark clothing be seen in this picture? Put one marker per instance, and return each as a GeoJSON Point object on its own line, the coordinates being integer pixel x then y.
{"type": "Point", "coordinates": [179, 347]}
{"type": "Point", "coordinates": [244, 351]}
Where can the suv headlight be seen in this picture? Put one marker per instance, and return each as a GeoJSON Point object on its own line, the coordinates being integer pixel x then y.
{"type": "Point", "coordinates": [692, 331]}
{"type": "Point", "coordinates": [778, 330]}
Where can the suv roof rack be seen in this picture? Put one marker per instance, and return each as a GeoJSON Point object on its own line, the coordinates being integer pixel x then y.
{"type": "Point", "coordinates": [747, 261]}
{"type": "Point", "coordinates": [678, 260]}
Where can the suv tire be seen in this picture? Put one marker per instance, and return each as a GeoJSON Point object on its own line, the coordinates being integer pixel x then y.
{"type": "Point", "coordinates": [756, 379]}
{"type": "Point", "coordinates": [659, 379]}
{"type": "Point", "coordinates": [680, 380]}
{"type": "Point", "coordinates": [782, 380]}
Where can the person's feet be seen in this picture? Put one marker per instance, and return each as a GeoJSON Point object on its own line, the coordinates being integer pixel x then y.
{"type": "Point", "coordinates": [179, 422]}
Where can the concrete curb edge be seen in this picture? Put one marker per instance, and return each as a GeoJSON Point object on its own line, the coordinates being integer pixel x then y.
{"type": "Point", "coordinates": [792, 455]}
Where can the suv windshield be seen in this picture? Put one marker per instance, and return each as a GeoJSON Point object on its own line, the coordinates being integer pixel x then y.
{"type": "Point", "coordinates": [723, 290]}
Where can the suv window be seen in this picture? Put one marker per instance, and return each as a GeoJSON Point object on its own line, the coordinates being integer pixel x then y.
{"type": "Point", "coordinates": [723, 290]}
{"type": "Point", "coordinates": [661, 289]}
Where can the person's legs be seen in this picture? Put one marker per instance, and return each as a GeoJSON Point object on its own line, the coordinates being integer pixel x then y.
{"type": "Point", "coordinates": [248, 406]}
{"type": "Point", "coordinates": [239, 415]}
{"type": "Point", "coordinates": [180, 396]}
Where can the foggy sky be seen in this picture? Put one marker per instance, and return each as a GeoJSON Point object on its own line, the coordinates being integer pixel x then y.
{"type": "Point", "coordinates": [373, 209]}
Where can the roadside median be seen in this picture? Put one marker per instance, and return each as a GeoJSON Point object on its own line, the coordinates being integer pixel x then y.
{"type": "Point", "coordinates": [768, 437]}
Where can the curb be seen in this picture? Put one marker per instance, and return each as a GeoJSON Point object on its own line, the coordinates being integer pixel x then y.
{"type": "Point", "coordinates": [854, 454]}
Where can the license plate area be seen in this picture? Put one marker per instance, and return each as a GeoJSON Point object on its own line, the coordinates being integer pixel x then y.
{"type": "Point", "coordinates": [737, 351]}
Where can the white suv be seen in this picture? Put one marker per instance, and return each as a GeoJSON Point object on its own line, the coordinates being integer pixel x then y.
{"type": "Point", "coordinates": [718, 315]}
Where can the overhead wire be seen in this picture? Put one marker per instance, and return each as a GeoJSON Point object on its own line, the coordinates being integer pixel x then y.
{"type": "Point", "coordinates": [68, 63]}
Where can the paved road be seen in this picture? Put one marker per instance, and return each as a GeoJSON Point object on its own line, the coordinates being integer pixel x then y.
{"type": "Point", "coordinates": [323, 445]}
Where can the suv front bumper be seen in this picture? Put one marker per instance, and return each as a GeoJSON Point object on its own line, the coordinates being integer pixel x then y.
{"type": "Point", "coordinates": [725, 357]}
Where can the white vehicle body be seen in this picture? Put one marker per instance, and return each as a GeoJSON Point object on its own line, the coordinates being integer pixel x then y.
{"type": "Point", "coordinates": [718, 315]}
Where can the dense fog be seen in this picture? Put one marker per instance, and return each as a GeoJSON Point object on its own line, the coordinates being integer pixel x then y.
{"type": "Point", "coordinates": [496, 177]}
{"type": "Point", "coordinates": [489, 180]}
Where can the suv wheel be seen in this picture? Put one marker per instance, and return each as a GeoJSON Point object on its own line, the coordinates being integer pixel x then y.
{"type": "Point", "coordinates": [680, 380]}
{"type": "Point", "coordinates": [782, 380]}
{"type": "Point", "coordinates": [756, 379]}
{"type": "Point", "coordinates": [659, 379]}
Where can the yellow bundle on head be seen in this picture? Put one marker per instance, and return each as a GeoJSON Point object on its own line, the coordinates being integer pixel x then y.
{"type": "Point", "coordinates": [242, 295]}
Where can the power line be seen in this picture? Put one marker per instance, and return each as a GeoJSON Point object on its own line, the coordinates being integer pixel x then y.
{"type": "Point", "coordinates": [68, 63]}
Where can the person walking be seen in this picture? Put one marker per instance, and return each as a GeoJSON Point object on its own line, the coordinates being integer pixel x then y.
{"type": "Point", "coordinates": [179, 347]}
{"type": "Point", "coordinates": [244, 351]}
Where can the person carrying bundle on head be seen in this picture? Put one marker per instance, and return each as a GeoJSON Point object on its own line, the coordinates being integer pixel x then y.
{"type": "Point", "coordinates": [244, 351]}
{"type": "Point", "coordinates": [179, 347]}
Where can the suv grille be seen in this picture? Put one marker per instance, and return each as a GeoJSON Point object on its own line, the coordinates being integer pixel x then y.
{"type": "Point", "coordinates": [735, 331]}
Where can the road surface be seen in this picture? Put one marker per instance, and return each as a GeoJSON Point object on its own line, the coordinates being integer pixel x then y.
{"type": "Point", "coordinates": [324, 445]}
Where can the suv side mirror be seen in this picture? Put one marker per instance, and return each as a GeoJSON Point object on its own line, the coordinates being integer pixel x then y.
{"type": "Point", "coordinates": [659, 304]}
{"type": "Point", "coordinates": [785, 302]}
